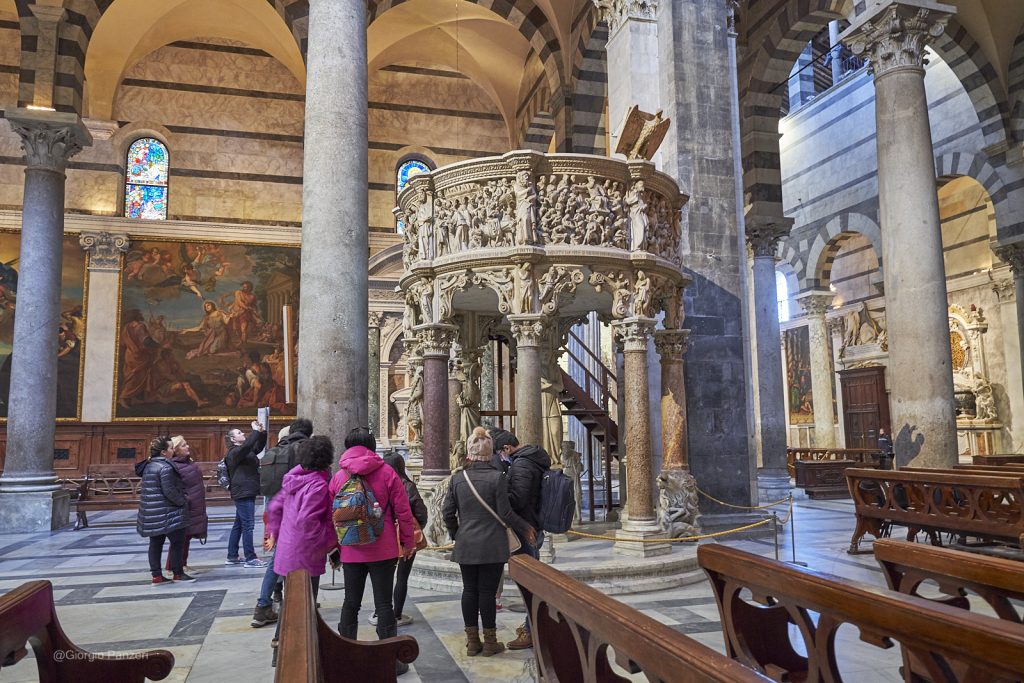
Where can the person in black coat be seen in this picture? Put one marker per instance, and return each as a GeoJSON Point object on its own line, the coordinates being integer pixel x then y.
{"type": "Point", "coordinates": [163, 510]}
{"type": "Point", "coordinates": [419, 513]}
{"type": "Point", "coordinates": [481, 543]}
{"type": "Point", "coordinates": [244, 473]}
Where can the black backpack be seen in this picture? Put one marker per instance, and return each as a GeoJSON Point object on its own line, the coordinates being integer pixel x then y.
{"type": "Point", "coordinates": [557, 502]}
{"type": "Point", "coordinates": [276, 463]}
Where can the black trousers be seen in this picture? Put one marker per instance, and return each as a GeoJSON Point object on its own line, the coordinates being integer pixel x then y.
{"type": "Point", "coordinates": [402, 583]}
{"type": "Point", "coordinates": [382, 579]}
{"type": "Point", "coordinates": [156, 549]}
{"type": "Point", "coordinates": [479, 589]}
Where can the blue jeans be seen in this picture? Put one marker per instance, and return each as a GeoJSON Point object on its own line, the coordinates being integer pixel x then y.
{"type": "Point", "coordinates": [245, 522]}
{"type": "Point", "coordinates": [270, 580]}
{"type": "Point", "coordinates": [534, 552]}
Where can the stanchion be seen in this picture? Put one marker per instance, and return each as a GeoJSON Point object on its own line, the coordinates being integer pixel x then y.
{"type": "Point", "coordinates": [332, 586]}
{"type": "Point", "coordinates": [775, 532]}
{"type": "Point", "coordinates": [792, 534]}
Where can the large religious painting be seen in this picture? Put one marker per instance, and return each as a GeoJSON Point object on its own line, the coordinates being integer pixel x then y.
{"type": "Point", "coordinates": [70, 330]}
{"type": "Point", "coordinates": [798, 375]}
{"type": "Point", "coordinates": [202, 330]}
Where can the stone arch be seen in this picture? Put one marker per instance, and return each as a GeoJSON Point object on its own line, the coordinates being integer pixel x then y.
{"type": "Point", "coordinates": [948, 166]}
{"type": "Point", "coordinates": [1016, 90]}
{"type": "Point", "coordinates": [386, 262]}
{"type": "Point", "coordinates": [830, 239]}
{"type": "Point", "coordinates": [538, 125]}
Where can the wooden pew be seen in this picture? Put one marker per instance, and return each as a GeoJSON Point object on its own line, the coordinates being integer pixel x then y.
{"type": "Point", "coordinates": [951, 644]}
{"type": "Point", "coordinates": [983, 504]}
{"type": "Point", "coordinates": [311, 652]}
{"type": "Point", "coordinates": [995, 580]}
{"type": "Point", "coordinates": [1000, 459]}
{"type": "Point", "coordinates": [576, 628]}
{"type": "Point", "coordinates": [865, 457]}
{"type": "Point", "coordinates": [28, 617]}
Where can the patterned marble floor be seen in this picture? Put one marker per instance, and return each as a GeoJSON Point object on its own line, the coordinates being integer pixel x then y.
{"type": "Point", "coordinates": [105, 602]}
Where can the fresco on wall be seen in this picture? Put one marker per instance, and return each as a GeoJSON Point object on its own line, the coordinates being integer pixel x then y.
{"type": "Point", "coordinates": [71, 329]}
{"type": "Point", "coordinates": [201, 329]}
{"type": "Point", "coordinates": [798, 375]}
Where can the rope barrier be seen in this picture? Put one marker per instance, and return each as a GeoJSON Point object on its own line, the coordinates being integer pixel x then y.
{"type": "Point", "coordinates": [742, 507]}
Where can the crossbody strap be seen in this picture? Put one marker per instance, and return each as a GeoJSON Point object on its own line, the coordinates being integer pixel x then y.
{"type": "Point", "coordinates": [486, 506]}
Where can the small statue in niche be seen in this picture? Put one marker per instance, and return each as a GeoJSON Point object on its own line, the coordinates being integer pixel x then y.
{"type": "Point", "coordinates": [984, 401]}
{"type": "Point", "coordinates": [642, 295]}
{"type": "Point", "coordinates": [638, 218]}
{"type": "Point", "coordinates": [526, 209]}
{"type": "Point", "coordinates": [522, 291]}
{"type": "Point", "coordinates": [463, 218]}
{"type": "Point", "coordinates": [414, 408]}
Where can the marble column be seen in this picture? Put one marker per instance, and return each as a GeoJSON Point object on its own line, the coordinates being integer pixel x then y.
{"type": "Point", "coordinates": [104, 266]}
{"type": "Point", "coordinates": [836, 48]}
{"type": "Point", "coordinates": [1013, 255]}
{"type": "Point", "coordinates": [454, 389]}
{"type": "Point", "coordinates": [893, 34]}
{"type": "Point", "coordinates": [639, 521]}
{"type": "Point", "coordinates": [530, 333]}
{"type": "Point", "coordinates": [373, 372]}
{"type": "Point", "coordinates": [333, 372]}
{"type": "Point", "coordinates": [816, 303]}
{"type": "Point", "coordinates": [435, 342]}
{"type": "Point", "coordinates": [488, 387]}
{"type": "Point", "coordinates": [763, 235]}
{"type": "Point", "coordinates": [675, 479]}
{"type": "Point", "coordinates": [31, 500]}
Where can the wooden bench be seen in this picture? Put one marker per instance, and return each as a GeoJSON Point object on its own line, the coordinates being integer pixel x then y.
{"type": "Point", "coordinates": [995, 580]}
{"type": "Point", "coordinates": [1002, 459]}
{"type": "Point", "coordinates": [28, 617]}
{"type": "Point", "coordinates": [952, 644]}
{"type": "Point", "coordinates": [116, 487]}
{"type": "Point", "coordinates": [985, 504]}
{"type": "Point", "coordinates": [576, 628]}
{"type": "Point", "coordinates": [311, 652]}
{"type": "Point", "coordinates": [864, 457]}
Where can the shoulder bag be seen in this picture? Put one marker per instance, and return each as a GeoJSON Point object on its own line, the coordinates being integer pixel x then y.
{"type": "Point", "coordinates": [513, 540]}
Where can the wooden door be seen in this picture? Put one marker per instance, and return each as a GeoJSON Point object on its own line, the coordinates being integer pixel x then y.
{"type": "Point", "coordinates": [865, 406]}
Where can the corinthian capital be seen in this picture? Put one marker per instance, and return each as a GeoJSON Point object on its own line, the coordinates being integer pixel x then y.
{"type": "Point", "coordinates": [530, 330]}
{"type": "Point", "coordinates": [816, 303]}
{"type": "Point", "coordinates": [634, 333]}
{"type": "Point", "coordinates": [894, 33]}
{"type": "Point", "coordinates": [671, 344]}
{"type": "Point", "coordinates": [435, 340]}
{"type": "Point", "coordinates": [618, 12]}
{"type": "Point", "coordinates": [764, 234]}
{"type": "Point", "coordinates": [1013, 255]}
{"type": "Point", "coordinates": [49, 138]}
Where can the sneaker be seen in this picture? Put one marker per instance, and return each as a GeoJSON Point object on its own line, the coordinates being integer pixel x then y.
{"type": "Point", "coordinates": [184, 578]}
{"type": "Point", "coordinates": [161, 581]}
{"type": "Point", "coordinates": [373, 619]}
{"type": "Point", "coordinates": [233, 560]}
{"type": "Point", "coordinates": [263, 616]}
{"type": "Point", "coordinates": [255, 563]}
{"type": "Point", "coordinates": [523, 641]}
{"type": "Point", "coordinates": [498, 606]}
{"type": "Point", "coordinates": [404, 620]}
{"type": "Point", "coordinates": [189, 570]}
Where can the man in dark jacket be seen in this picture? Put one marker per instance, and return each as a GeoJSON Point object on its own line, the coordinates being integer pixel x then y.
{"type": "Point", "coordinates": [244, 473]}
{"type": "Point", "coordinates": [163, 510]}
{"type": "Point", "coordinates": [277, 462]}
{"type": "Point", "coordinates": [525, 475]}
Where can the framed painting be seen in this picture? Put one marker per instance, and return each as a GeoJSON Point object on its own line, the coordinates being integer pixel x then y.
{"type": "Point", "coordinates": [796, 342]}
{"type": "Point", "coordinates": [201, 330]}
{"type": "Point", "coordinates": [70, 329]}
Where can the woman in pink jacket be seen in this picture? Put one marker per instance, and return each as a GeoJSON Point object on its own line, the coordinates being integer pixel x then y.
{"type": "Point", "coordinates": [377, 559]}
{"type": "Point", "coordinates": [299, 519]}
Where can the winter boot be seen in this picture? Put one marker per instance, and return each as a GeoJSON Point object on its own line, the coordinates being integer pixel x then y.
{"type": "Point", "coordinates": [491, 644]}
{"type": "Point", "coordinates": [523, 641]}
{"type": "Point", "coordinates": [473, 644]}
{"type": "Point", "coordinates": [263, 616]}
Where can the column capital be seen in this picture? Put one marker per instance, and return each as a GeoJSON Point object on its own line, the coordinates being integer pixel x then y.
{"type": "Point", "coordinates": [634, 333]}
{"type": "Point", "coordinates": [435, 340]}
{"type": "Point", "coordinates": [618, 12]}
{"type": "Point", "coordinates": [373, 319]}
{"type": "Point", "coordinates": [1012, 254]}
{"type": "Point", "coordinates": [49, 138]}
{"type": "Point", "coordinates": [816, 302]}
{"type": "Point", "coordinates": [1005, 290]}
{"type": "Point", "coordinates": [764, 234]}
{"type": "Point", "coordinates": [893, 34]}
{"type": "Point", "coordinates": [104, 249]}
{"type": "Point", "coordinates": [671, 344]}
{"type": "Point", "coordinates": [530, 330]}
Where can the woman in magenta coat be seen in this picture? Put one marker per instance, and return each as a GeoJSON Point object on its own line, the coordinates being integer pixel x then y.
{"type": "Point", "coordinates": [378, 559]}
{"type": "Point", "coordinates": [299, 519]}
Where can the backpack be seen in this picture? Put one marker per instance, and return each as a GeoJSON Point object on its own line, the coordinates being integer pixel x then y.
{"type": "Point", "coordinates": [358, 519]}
{"type": "Point", "coordinates": [276, 463]}
{"type": "Point", "coordinates": [557, 502]}
{"type": "Point", "coordinates": [223, 476]}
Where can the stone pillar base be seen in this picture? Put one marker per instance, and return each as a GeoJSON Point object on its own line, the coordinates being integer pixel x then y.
{"type": "Point", "coordinates": [772, 486]}
{"type": "Point", "coordinates": [34, 511]}
{"type": "Point", "coordinates": [630, 539]}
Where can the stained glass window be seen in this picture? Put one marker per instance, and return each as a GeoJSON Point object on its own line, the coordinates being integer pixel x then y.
{"type": "Point", "coordinates": [145, 189]}
{"type": "Point", "coordinates": [406, 170]}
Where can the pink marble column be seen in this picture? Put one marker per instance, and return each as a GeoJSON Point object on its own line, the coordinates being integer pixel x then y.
{"type": "Point", "coordinates": [435, 345]}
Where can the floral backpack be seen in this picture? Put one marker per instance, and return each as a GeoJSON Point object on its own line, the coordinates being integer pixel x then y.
{"type": "Point", "coordinates": [358, 519]}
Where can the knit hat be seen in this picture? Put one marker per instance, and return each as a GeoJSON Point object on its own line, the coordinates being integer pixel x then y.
{"type": "Point", "coordinates": [479, 446]}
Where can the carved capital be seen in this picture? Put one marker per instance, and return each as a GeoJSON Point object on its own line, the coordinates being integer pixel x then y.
{"type": "Point", "coordinates": [436, 340]}
{"type": "Point", "coordinates": [1012, 255]}
{"type": "Point", "coordinates": [764, 234]}
{"type": "Point", "coordinates": [49, 138]}
{"type": "Point", "coordinates": [618, 12]}
{"type": "Point", "coordinates": [671, 344]}
{"type": "Point", "coordinates": [104, 249]}
{"type": "Point", "coordinates": [634, 332]}
{"type": "Point", "coordinates": [1005, 290]}
{"type": "Point", "coordinates": [816, 303]}
{"type": "Point", "coordinates": [895, 34]}
{"type": "Point", "coordinates": [530, 330]}
{"type": "Point", "coordinates": [373, 319]}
